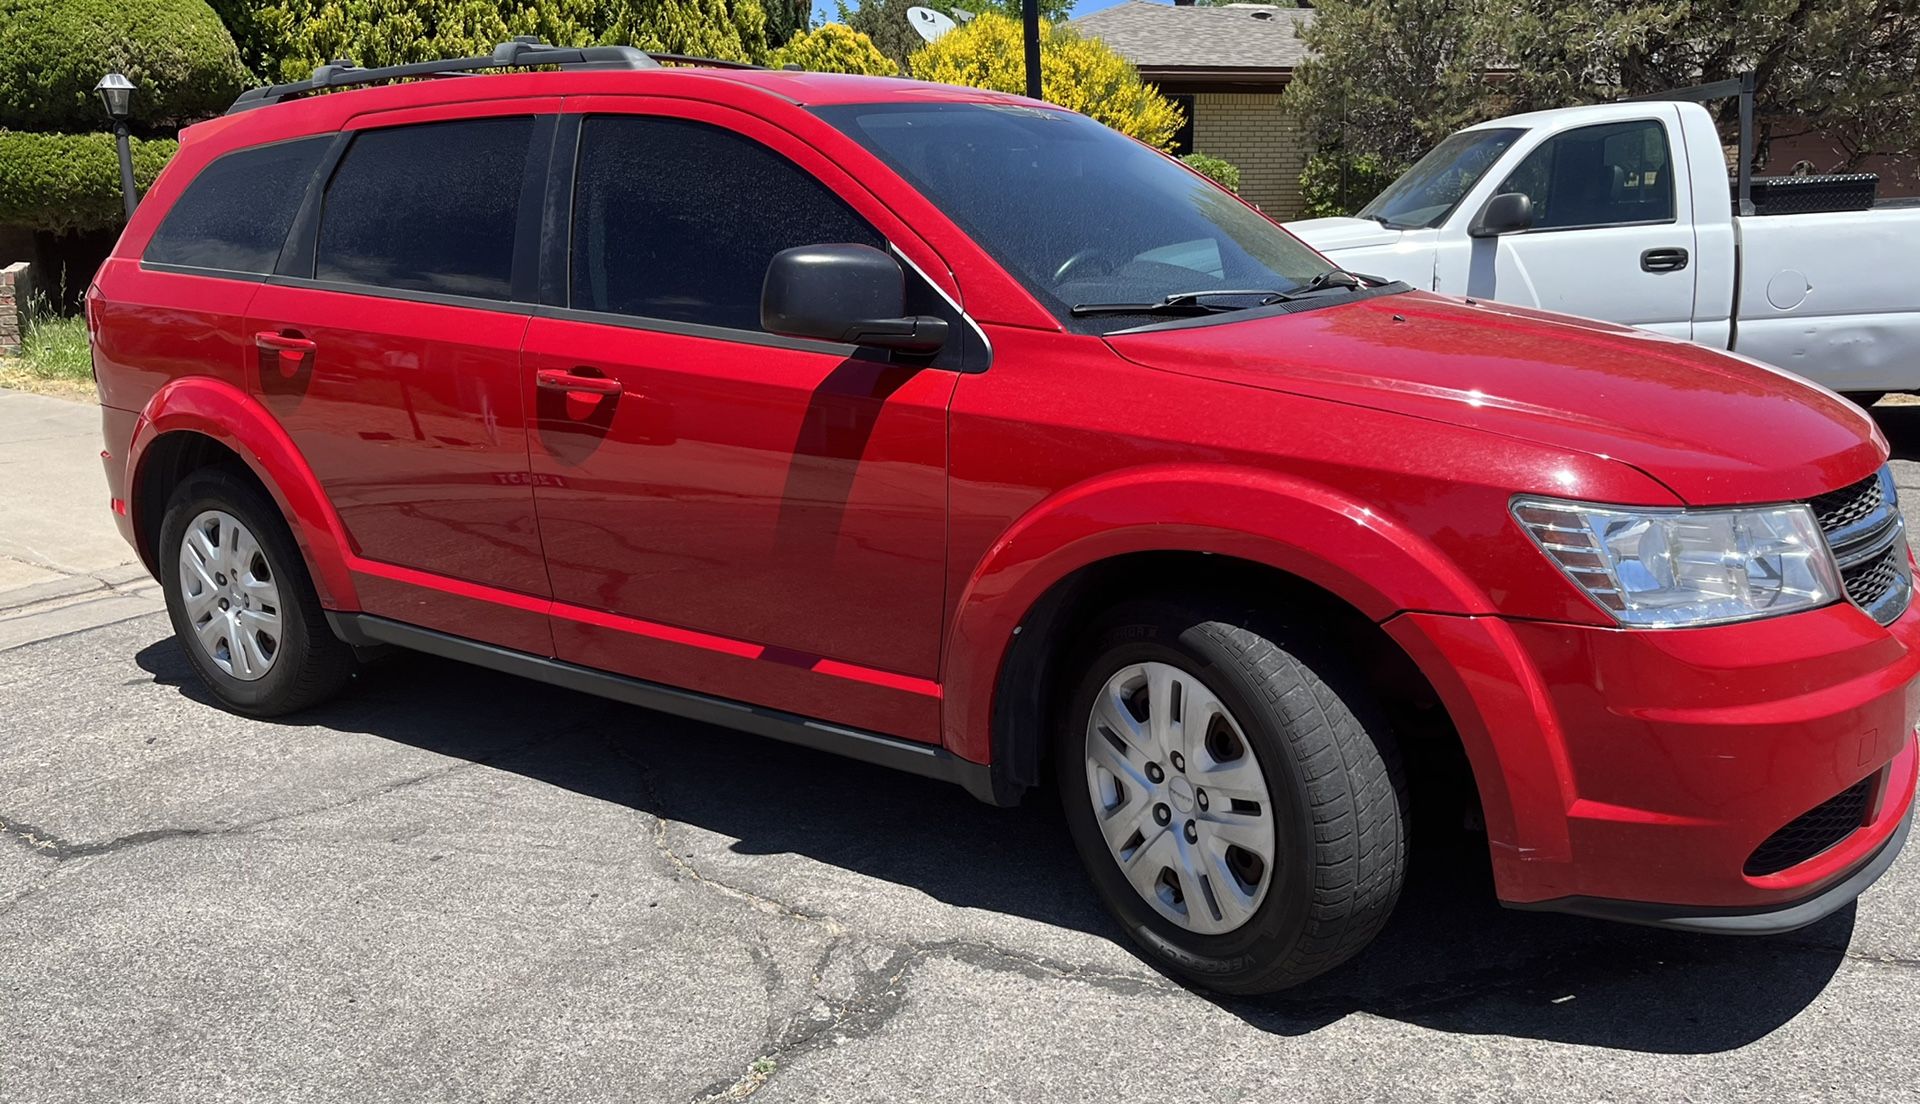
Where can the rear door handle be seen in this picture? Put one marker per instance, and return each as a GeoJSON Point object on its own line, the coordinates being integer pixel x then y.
{"type": "Point", "coordinates": [273, 340]}
{"type": "Point", "coordinates": [1663, 260]}
{"type": "Point", "coordinates": [556, 379]}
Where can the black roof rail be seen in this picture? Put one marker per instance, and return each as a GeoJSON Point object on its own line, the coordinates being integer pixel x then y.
{"type": "Point", "coordinates": [522, 52]}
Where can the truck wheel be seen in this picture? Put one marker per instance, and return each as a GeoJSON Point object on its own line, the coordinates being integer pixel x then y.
{"type": "Point", "coordinates": [1235, 812]}
{"type": "Point", "coordinates": [241, 603]}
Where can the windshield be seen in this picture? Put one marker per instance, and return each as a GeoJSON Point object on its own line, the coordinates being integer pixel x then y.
{"type": "Point", "coordinates": [1427, 193]}
{"type": "Point", "coordinates": [1077, 212]}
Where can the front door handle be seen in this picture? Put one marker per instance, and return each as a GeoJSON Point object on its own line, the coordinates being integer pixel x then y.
{"type": "Point", "coordinates": [1663, 260]}
{"type": "Point", "coordinates": [556, 379]}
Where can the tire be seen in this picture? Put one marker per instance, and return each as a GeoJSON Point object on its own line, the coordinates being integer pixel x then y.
{"type": "Point", "coordinates": [305, 664]}
{"type": "Point", "coordinates": [1336, 798]}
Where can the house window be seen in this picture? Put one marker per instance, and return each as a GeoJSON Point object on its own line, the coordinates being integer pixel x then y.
{"type": "Point", "coordinates": [1183, 138]}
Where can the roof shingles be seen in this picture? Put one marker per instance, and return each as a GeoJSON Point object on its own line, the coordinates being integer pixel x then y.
{"type": "Point", "coordinates": [1237, 36]}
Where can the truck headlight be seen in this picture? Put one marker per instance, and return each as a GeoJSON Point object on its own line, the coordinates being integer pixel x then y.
{"type": "Point", "coordinates": [1659, 568]}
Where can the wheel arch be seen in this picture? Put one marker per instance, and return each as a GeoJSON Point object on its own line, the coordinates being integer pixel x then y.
{"type": "Point", "coordinates": [197, 421]}
{"type": "Point", "coordinates": [1237, 532]}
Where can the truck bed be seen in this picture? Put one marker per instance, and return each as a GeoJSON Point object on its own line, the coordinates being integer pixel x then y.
{"type": "Point", "coordinates": [1834, 296]}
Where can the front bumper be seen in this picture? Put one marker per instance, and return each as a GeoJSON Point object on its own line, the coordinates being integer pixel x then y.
{"type": "Point", "coordinates": [1634, 773]}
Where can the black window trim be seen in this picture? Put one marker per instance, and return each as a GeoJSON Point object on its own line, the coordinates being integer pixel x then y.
{"type": "Point", "coordinates": [241, 275]}
{"type": "Point", "coordinates": [1665, 136]}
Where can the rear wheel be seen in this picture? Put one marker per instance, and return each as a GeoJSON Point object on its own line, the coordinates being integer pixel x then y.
{"type": "Point", "coordinates": [241, 602]}
{"type": "Point", "coordinates": [1234, 811]}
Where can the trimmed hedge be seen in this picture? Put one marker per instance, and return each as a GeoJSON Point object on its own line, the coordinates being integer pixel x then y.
{"type": "Point", "coordinates": [1217, 169]}
{"type": "Point", "coordinates": [834, 48]}
{"type": "Point", "coordinates": [52, 52]}
{"type": "Point", "coordinates": [63, 182]}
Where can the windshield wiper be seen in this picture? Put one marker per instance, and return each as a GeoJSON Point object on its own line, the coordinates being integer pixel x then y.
{"type": "Point", "coordinates": [1333, 279]}
{"type": "Point", "coordinates": [1179, 302]}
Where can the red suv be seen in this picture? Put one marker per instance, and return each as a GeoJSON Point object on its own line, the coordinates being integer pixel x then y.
{"type": "Point", "coordinates": [956, 432]}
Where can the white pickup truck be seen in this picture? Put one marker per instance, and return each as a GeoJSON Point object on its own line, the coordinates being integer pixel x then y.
{"type": "Point", "coordinates": [1624, 212]}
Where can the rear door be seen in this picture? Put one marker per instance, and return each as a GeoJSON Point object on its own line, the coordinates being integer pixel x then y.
{"type": "Point", "coordinates": [749, 516]}
{"type": "Point", "coordinates": [388, 346]}
{"type": "Point", "coordinates": [1612, 235]}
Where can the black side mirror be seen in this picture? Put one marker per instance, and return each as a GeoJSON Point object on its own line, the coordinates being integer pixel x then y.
{"type": "Point", "coordinates": [1504, 214]}
{"type": "Point", "coordinates": [853, 294]}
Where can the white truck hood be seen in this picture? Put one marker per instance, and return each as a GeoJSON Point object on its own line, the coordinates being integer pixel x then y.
{"type": "Point", "coordinates": [1329, 235]}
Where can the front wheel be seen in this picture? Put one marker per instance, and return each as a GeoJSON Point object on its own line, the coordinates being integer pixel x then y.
{"type": "Point", "coordinates": [1237, 816]}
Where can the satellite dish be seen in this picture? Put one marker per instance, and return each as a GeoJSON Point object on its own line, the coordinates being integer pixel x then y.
{"type": "Point", "coordinates": [929, 24]}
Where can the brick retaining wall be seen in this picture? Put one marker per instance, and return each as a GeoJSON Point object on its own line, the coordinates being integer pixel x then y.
{"type": "Point", "coordinates": [16, 293]}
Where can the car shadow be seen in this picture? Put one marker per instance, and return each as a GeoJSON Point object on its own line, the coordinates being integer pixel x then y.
{"type": "Point", "coordinates": [1451, 959]}
{"type": "Point", "coordinates": [1901, 425]}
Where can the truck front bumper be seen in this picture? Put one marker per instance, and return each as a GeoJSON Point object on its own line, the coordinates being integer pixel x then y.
{"type": "Point", "coordinates": [1741, 778]}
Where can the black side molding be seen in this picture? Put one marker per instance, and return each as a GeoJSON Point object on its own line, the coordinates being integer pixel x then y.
{"type": "Point", "coordinates": [365, 630]}
{"type": "Point", "coordinates": [1735, 921]}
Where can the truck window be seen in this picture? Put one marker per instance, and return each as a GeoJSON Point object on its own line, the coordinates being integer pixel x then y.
{"type": "Point", "coordinates": [431, 207]}
{"type": "Point", "coordinates": [678, 220]}
{"type": "Point", "coordinates": [1612, 174]}
{"type": "Point", "coordinates": [1426, 194]}
{"type": "Point", "coordinates": [234, 216]}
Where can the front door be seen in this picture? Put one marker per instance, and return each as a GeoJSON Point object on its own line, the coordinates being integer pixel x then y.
{"type": "Point", "coordinates": [748, 516]}
{"type": "Point", "coordinates": [392, 357]}
{"type": "Point", "coordinates": [1612, 235]}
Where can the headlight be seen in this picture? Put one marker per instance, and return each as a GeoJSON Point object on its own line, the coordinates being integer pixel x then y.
{"type": "Point", "coordinates": [1669, 568]}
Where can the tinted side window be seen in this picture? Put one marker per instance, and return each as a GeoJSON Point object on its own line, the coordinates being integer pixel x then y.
{"type": "Point", "coordinates": [1602, 175]}
{"type": "Point", "coordinates": [678, 220]}
{"type": "Point", "coordinates": [234, 216]}
{"type": "Point", "coordinates": [427, 208]}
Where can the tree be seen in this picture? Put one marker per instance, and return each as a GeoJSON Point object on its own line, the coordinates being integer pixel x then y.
{"type": "Point", "coordinates": [1389, 78]}
{"type": "Point", "coordinates": [1083, 74]}
{"type": "Point", "coordinates": [834, 48]}
{"type": "Point", "coordinates": [885, 21]}
{"type": "Point", "coordinates": [52, 52]}
{"type": "Point", "coordinates": [300, 34]}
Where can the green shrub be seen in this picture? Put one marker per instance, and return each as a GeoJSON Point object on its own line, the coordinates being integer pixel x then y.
{"type": "Point", "coordinates": [1217, 169]}
{"type": "Point", "coordinates": [52, 52]}
{"type": "Point", "coordinates": [61, 182]}
{"type": "Point", "coordinates": [1332, 185]}
{"type": "Point", "coordinates": [834, 48]}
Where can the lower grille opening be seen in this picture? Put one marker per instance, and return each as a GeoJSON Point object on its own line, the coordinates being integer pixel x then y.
{"type": "Point", "coordinates": [1813, 831]}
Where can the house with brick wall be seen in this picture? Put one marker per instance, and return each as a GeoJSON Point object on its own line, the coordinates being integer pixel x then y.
{"type": "Point", "coordinates": [1228, 67]}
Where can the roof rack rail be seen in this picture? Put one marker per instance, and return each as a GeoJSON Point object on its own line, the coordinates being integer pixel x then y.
{"type": "Point", "coordinates": [518, 53]}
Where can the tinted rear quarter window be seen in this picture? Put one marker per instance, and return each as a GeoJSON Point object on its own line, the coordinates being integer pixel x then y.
{"type": "Point", "coordinates": [234, 216]}
{"type": "Point", "coordinates": [678, 220]}
{"type": "Point", "coordinates": [431, 207]}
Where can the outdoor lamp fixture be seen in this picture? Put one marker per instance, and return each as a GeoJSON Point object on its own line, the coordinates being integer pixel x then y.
{"type": "Point", "coordinates": [116, 94]}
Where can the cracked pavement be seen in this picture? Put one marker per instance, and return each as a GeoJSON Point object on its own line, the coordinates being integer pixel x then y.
{"type": "Point", "coordinates": [451, 885]}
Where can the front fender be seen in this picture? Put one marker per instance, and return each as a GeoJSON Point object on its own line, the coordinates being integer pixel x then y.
{"type": "Point", "coordinates": [1369, 560]}
{"type": "Point", "coordinates": [221, 411]}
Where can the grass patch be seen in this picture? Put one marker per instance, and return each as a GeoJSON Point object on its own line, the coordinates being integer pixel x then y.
{"type": "Point", "coordinates": [54, 358]}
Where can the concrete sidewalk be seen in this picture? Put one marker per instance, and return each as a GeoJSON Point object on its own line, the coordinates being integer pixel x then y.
{"type": "Point", "coordinates": [63, 565]}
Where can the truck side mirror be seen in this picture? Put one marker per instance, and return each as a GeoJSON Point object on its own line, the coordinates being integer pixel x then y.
{"type": "Point", "coordinates": [853, 294]}
{"type": "Point", "coordinates": [1504, 214]}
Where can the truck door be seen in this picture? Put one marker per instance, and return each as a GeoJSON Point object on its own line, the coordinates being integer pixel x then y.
{"type": "Point", "coordinates": [1612, 234]}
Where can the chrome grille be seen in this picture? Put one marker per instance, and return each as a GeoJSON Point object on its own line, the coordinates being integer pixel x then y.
{"type": "Point", "coordinates": [1841, 508]}
{"type": "Point", "coordinates": [1864, 529]}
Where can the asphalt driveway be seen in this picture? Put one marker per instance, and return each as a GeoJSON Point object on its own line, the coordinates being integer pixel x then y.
{"type": "Point", "coordinates": [455, 885]}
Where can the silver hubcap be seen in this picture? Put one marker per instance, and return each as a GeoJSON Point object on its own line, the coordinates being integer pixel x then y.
{"type": "Point", "coordinates": [231, 596]}
{"type": "Point", "coordinates": [1180, 798]}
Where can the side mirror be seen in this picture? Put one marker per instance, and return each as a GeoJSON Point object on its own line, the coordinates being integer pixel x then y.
{"type": "Point", "coordinates": [1503, 214]}
{"type": "Point", "coordinates": [853, 294]}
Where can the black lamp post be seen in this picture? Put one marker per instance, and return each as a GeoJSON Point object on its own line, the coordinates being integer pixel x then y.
{"type": "Point", "coordinates": [1030, 21]}
{"type": "Point", "coordinates": [116, 94]}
